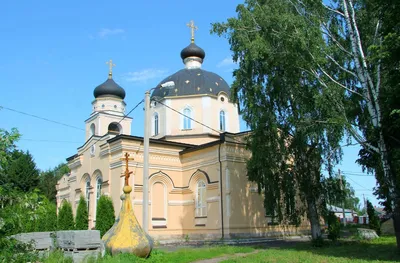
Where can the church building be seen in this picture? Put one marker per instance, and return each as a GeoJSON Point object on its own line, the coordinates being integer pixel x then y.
{"type": "Point", "coordinates": [198, 186]}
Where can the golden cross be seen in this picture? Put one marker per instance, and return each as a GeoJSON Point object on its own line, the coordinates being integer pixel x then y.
{"type": "Point", "coordinates": [127, 173]}
{"type": "Point", "coordinates": [110, 65]}
{"type": "Point", "coordinates": [192, 28]}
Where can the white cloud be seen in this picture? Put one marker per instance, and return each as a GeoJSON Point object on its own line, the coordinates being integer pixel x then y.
{"type": "Point", "coordinates": [104, 32]}
{"type": "Point", "coordinates": [226, 62]}
{"type": "Point", "coordinates": [145, 75]}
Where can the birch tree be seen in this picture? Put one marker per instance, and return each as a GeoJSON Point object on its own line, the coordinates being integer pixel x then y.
{"type": "Point", "coordinates": [327, 47]}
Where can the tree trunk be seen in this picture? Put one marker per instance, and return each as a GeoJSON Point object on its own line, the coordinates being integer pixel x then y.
{"type": "Point", "coordinates": [314, 218]}
{"type": "Point", "coordinates": [396, 222]}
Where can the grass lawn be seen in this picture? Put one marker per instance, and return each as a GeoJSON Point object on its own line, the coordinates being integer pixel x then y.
{"type": "Point", "coordinates": [179, 256]}
{"type": "Point", "coordinates": [345, 250]}
{"type": "Point", "coordinates": [378, 250]}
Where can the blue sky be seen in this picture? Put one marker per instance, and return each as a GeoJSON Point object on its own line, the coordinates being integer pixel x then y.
{"type": "Point", "coordinates": [54, 52]}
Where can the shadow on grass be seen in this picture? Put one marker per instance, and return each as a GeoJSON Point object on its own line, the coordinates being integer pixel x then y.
{"type": "Point", "coordinates": [382, 249]}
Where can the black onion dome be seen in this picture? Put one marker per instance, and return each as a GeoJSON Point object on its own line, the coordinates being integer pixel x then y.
{"type": "Point", "coordinates": [193, 51]}
{"type": "Point", "coordinates": [194, 81]}
{"type": "Point", "coordinates": [109, 87]}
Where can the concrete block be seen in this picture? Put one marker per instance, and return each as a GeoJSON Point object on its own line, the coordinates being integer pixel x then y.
{"type": "Point", "coordinates": [39, 240]}
{"type": "Point", "coordinates": [78, 239]}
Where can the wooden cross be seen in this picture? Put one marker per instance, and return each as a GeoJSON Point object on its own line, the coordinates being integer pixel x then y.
{"type": "Point", "coordinates": [192, 28]}
{"type": "Point", "coordinates": [127, 173]}
{"type": "Point", "coordinates": [110, 65]}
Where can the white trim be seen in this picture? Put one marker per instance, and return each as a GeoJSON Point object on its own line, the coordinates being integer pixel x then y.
{"type": "Point", "coordinates": [212, 200]}
{"type": "Point", "coordinates": [158, 222]}
{"type": "Point", "coordinates": [201, 204]}
{"type": "Point", "coordinates": [180, 202]}
{"type": "Point", "coordinates": [182, 122]}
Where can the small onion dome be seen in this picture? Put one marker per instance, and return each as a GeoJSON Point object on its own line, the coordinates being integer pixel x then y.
{"type": "Point", "coordinates": [193, 51]}
{"type": "Point", "coordinates": [109, 88]}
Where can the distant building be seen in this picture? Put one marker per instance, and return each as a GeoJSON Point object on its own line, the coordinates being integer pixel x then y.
{"type": "Point", "coordinates": [349, 214]}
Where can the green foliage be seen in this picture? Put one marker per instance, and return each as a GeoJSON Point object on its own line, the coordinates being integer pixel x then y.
{"type": "Point", "coordinates": [7, 145]}
{"type": "Point", "coordinates": [25, 212]}
{"type": "Point", "coordinates": [57, 256]}
{"type": "Point", "coordinates": [49, 179]}
{"type": "Point", "coordinates": [338, 196]}
{"type": "Point", "coordinates": [279, 50]}
{"type": "Point", "coordinates": [333, 226]}
{"type": "Point", "coordinates": [373, 218]}
{"type": "Point", "coordinates": [65, 217]}
{"type": "Point", "coordinates": [82, 215]}
{"type": "Point", "coordinates": [48, 221]}
{"type": "Point", "coordinates": [21, 172]}
{"type": "Point", "coordinates": [13, 251]}
{"type": "Point", "coordinates": [105, 216]}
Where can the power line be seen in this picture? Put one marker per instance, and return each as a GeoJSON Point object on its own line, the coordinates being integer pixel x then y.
{"type": "Point", "coordinates": [184, 115]}
{"type": "Point", "coordinates": [42, 118]}
{"type": "Point", "coordinates": [359, 184]}
{"type": "Point", "coordinates": [362, 175]}
{"type": "Point", "coordinates": [126, 115]}
{"type": "Point", "coordinates": [39, 140]}
{"type": "Point", "coordinates": [137, 105]}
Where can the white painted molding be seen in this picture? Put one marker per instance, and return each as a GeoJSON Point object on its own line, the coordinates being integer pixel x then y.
{"type": "Point", "coordinates": [139, 202]}
{"type": "Point", "coordinates": [213, 199]}
{"type": "Point", "coordinates": [180, 202]}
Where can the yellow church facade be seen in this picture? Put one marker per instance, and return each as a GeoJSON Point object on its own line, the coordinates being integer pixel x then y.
{"type": "Point", "coordinates": [198, 186]}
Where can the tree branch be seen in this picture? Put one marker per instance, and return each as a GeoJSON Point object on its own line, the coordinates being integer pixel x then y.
{"type": "Point", "coordinates": [333, 10]}
{"type": "Point", "coordinates": [341, 67]}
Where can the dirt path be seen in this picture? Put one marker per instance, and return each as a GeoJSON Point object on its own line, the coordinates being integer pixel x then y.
{"type": "Point", "coordinates": [219, 259]}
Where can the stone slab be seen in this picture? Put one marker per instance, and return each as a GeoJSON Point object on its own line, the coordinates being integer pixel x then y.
{"type": "Point", "coordinates": [39, 240]}
{"type": "Point", "coordinates": [78, 239]}
{"type": "Point", "coordinates": [366, 233]}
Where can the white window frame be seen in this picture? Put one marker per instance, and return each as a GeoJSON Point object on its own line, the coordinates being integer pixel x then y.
{"type": "Point", "coordinates": [156, 123]}
{"type": "Point", "coordinates": [99, 183]}
{"type": "Point", "coordinates": [92, 129]}
{"type": "Point", "coordinates": [87, 193]}
{"type": "Point", "coordinates": [201, 199]}
{"type": "Point", "coordinates": [222, 120]}
{"type": "Point", "coordinates": [187, 122]}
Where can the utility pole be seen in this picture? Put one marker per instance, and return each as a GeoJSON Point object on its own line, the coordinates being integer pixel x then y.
{"type": "Point", "coordinates": [365, 204]}
{"type": "Point", "coordinates": [146, 143]}
{"type": "Point", "coordinates": [341, 188]}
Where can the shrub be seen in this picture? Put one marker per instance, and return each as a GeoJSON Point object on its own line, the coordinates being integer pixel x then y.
{"type": "Point", "coordinates": [82, 215]}
{"type": "Point", "coordinates": [333, 227]}
{"type": "Point", "coordinates": [48, 219]}
{"type": "Point", "coordinates": [105, 216]}
{"type": "Point", "coordinates": [65, 217]}
{"type": "Point", "coordinates": [374, 222]}
{"type": "Point", "coordinates": [12, 250]}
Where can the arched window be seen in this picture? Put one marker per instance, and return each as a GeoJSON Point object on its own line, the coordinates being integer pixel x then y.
{"type": "Point", "coordinates": [87, 193]}
{"type": "Point", "coordinates": [92, 129]}
{"type": "Point", "coordinates": [113, 128]}
{"type": "Point", "coordinates": [222, 120]}
{"type": "Point", "coordinates": [156, 124]}
{"type": "Point", "coordinates": [98, 188]}
{"type": "Point", "coordinates": [187, 124]}
{"type": "Point", "coordinates": [201, 199]}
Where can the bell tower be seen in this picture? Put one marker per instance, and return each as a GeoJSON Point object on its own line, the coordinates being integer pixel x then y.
{"type": "Point", "coordinates": [108, 108]}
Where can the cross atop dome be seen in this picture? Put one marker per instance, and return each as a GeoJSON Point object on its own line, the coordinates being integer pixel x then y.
{"type": "Point", "coordinates": [192, 29]}
{"type": "Point", "coordinates": [110, 65]}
